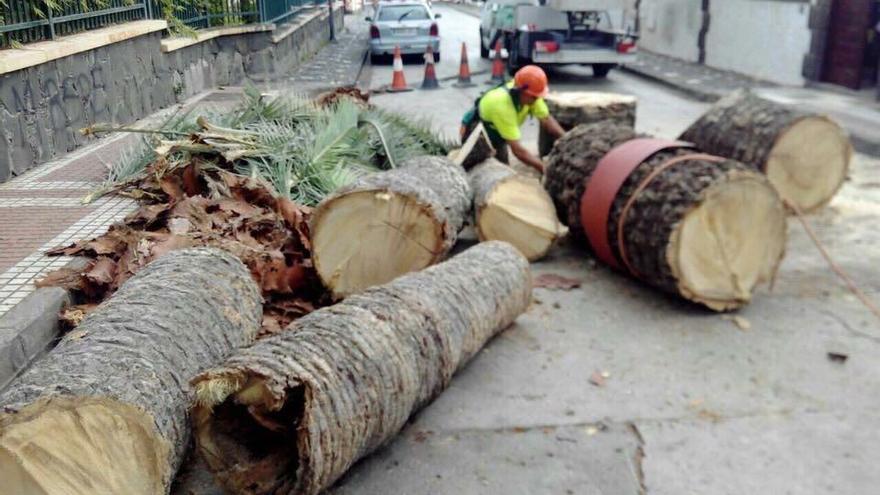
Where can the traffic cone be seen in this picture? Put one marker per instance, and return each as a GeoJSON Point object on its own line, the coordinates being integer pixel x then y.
{"type": "Point", "coordinates": [464, 70]}
{"type": "Point", "coordinates": [430, 81]}
{"type": "Point", "coordinates": [398, 81]}
{"type": "Point", "coordinates": [497, 66]}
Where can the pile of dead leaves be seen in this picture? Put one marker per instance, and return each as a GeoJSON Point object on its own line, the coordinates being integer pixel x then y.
{"type": "Point", "coordinates": [334, 96]}
{"type": "Point", "coordinates": [187, 207]}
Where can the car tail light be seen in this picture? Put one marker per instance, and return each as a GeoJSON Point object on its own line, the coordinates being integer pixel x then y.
{"type": "Point", "coordinates": [435, 31]}
{"type": "Point", "coordinates": [546, 46]}
{"type": "Point", "coordinates": [374, 32]}
{"type": "Point", "coordinates": [626, 46]}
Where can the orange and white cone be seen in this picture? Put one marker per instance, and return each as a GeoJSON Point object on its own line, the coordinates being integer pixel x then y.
{"type": "Point", "coordinates": [497, 66]}
{"type": "Point", "coordinates": [398, 81]}
{"type": "Point", "coordinates": [430, 81]}
{"type": "Point", "coordinates": [464, 70]}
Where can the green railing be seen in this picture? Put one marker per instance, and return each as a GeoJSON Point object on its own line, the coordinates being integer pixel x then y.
{"type": "Point", "coordinates": [279, 11]}
{"type": "Point", "coordinates": [201, 14]}
{"type": "Point", "coordinates": [26, 21]}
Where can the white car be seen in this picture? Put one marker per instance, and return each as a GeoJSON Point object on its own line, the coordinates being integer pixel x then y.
{"type": "Point", "coordinates": [410, 25]}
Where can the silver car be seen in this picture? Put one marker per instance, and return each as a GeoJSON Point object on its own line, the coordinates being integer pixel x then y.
{"type": "Point", "coordinates": [408, 24]}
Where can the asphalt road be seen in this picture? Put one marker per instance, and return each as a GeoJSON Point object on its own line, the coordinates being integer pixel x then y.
{"type": "Point", "coordinates": [693, 404]}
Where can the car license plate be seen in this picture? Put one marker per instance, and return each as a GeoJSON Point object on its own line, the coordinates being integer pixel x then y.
{"type": "Point", "coordinates": [404, 32]}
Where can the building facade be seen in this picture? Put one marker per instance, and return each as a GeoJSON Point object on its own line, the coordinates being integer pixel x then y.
{"type": "Point", "coordinates": [783, 41]}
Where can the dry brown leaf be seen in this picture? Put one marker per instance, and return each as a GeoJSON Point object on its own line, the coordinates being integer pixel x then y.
{"type": "Point", "coordinates": [276, 276]}
{"type": "Point", "coordinates": [147, 214]}
{"type": "Point", "coordinates": [171, 185]}
{"type": "Point", "coordinates": [552, 281]}
{"type": "Point", "coordinates": [238, 207]}
{"type": "Point", "coordinates": [103, 271]}
{"type": "Point", "coordinates": [66, 278]}
{"type": "Point", "coordinates": [170, 243]}
{"type": "Point", "coordinates": [190, 179]}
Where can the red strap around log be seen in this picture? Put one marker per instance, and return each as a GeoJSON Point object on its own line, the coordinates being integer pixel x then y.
{"type": "Point", "coordinates": [621, 220]}
{"type": "Point", "coordinates": [602, 187]}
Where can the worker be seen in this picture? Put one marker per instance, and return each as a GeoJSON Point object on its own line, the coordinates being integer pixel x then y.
{"type": "Point", "coordinates": [504, 109]}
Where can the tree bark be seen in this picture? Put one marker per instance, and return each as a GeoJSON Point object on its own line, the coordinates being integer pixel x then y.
{"type": "Point", "coordinates": [513, 208]}
{"type": "Point", "coordinates": [106, 410]}
{"type": "Point", "coordinates": [805, 156]}
{"type": "Point", "coordinates": [575, 108]}
{"type": "Point", "coordinates": [389, 223]}
{"type": "Point", "coordinates": [292, 413]}
{"type": "Point", "coordinates": [666, 216]}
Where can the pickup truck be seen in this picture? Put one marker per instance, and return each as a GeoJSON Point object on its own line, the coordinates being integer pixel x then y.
{"type": "Point", "coordinates": [547, 32]}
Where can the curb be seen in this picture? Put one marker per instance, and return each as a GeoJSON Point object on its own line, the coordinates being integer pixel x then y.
{"type": "Point", "coordinates": [697, 94]}
{"type": "Point", "coordinates": [861, 144]}
{"type": "Point", "coordinates": [29, 329]}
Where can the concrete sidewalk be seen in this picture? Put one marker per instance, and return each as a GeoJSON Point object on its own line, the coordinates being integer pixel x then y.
{"type": "Point", "coordinates": [857, 112]}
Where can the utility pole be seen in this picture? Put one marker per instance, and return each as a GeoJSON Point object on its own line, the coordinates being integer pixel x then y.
{"type": "Point", "coordinates": [332, 27]}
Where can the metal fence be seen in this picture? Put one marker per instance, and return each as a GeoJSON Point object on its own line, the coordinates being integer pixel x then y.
{"type": "Point", "coordinates": [281, 10]}
{"type": "Point", "coordinates": [26, 21]}
{"type": "Point", "coordinates": [201, 14]}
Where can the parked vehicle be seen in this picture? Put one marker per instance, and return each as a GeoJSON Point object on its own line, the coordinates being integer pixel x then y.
{"type": "Point", "coordinates": [547, 32]}
{"type": "Point", "coordinates": [411, 25]}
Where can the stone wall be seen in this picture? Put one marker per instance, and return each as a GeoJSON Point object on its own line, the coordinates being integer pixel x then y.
{"type": "Point", "coordinates": [43, 107]}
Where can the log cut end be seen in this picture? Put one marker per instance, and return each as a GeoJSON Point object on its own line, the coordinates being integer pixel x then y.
{"type": "Point", "coordinates": [588, 102]}
{"type": "Point", "coordinates": [367, 238]}
{"type": "Point", "coordinates": [520, 212]}
{"type": "Point", "coordinates": [247, 434]}
{"type": "Point", "coordinates": [573, 108]}
{"type": "Point", "coordinates": [805, 156]}
{"type": "Point", "coordinates": [81, 446]}
{"type": "Point", "coordinates": [809, 162]}
{"type": "Point", "coordinates": [731, 242]}
{"type": "Point", "coordinates": [389, 223]}
{"type": "Point", "coordinates": [514, 208]}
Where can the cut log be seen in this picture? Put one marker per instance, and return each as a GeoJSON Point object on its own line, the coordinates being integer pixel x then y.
{"type": "Point", "coordinates": [513, 208]}
{"type": "Point", "coordinates": [571, 109]}
{"type": "Point", "coordinates": [707, 230]}
{"type": "Point", "coordinates": [476, 149]}
{"type": "Point", "coordinates": [106, 410]}
{"type": "Point", "coordinates": [292, 413]}
{"type": "Point", "coordinates": [805, 156]}
{"type": "Point", "coordinates": [389, 223]}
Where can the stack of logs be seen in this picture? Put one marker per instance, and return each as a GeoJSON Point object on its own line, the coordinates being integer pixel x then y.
{"type": "Point", "coordinates": [708, 227]}
{"type": "Point", "coordinates": [108, 410]}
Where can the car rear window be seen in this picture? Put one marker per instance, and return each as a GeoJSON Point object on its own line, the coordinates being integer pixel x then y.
{"type": "Point", "coordinates": [412, 12]}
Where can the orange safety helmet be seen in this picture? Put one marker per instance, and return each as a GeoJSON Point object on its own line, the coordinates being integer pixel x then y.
{"type": "Point", "coordinates": [532, 80]}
